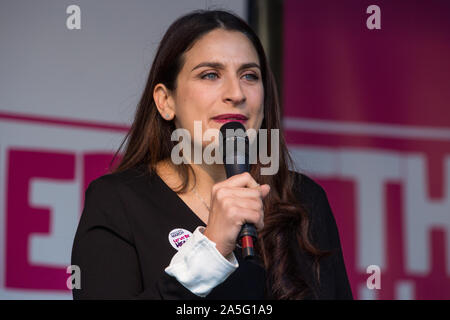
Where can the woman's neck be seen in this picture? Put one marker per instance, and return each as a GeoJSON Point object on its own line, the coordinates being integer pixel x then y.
{"type": "Point", "coordinates": [206, 175]}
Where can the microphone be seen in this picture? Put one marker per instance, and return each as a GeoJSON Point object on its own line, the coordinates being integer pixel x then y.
{"type": "Point", "coordinates": [235, 146]}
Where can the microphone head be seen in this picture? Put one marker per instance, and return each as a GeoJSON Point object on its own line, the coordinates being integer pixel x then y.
{"type": "Point", "coordinates": [235, 148]}
{"type": "Point", "coordinates": [230, 129]}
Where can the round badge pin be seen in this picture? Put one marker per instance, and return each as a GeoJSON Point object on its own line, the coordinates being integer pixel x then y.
{"type": "Point", "coordinates": [178, 236]}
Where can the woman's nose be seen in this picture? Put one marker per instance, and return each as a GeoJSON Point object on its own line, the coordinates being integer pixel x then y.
{"type": "Point", "coordinates": [233, 92]}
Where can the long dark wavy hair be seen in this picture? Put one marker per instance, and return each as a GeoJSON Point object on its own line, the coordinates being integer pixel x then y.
{"type": "Point", "coordinates": [149, 141]}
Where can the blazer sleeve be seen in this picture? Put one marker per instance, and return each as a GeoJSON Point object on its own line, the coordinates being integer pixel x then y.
{"type": "Point", "coordinates": [104, 250]}
{"type": "Point", "coordinates": [342, 285]}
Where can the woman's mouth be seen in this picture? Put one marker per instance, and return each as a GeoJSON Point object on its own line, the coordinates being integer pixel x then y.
{"type": "Point", "coordinates": [228, 117]}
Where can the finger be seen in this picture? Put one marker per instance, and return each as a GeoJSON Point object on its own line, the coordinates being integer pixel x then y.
{"type": "Point", "coordinates": [238, 203]}
{"type": "Point", "coordinates": [239, 193]}
{"type": "Point", "coordinates": [241, 180]}
{"type": "Point", "coordinates": [250, 203]}
{"type": "Point", "coordinates": [265, 189]}
{"type": "Point", "coordinates": [252, 216]}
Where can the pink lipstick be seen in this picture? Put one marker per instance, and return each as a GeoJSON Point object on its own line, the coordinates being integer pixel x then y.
{"type": "Point", "coordinates": [228, 117]}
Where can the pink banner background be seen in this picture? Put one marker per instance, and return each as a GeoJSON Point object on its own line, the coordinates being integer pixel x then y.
{"type": "Point", "coordinates": [377, 92]}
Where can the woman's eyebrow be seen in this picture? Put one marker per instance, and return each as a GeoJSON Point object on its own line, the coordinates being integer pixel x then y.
{"type": "Point", "coordinates": [220, 66]}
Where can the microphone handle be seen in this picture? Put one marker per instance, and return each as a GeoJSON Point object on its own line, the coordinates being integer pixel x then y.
{"type": "Point", "coordinates": [248, 233]}
{"type": "Point", "coordinates": [237, 169]}
{"type": "Point", "coordinates": [246, 237]}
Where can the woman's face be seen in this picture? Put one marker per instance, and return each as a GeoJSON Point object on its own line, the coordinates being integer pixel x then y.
{"type": "Point", "coordinates": [221, 76]}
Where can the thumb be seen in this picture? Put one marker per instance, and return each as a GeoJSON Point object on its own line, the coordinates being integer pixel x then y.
{"type": "Point", "coordinates": [265, 189]}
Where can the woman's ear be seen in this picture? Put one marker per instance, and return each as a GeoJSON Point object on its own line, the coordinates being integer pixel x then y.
{"type": "Point", "coordinates": [164, 101]}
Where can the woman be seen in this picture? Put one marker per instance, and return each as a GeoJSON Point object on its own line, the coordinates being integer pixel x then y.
{"type": "Point", "coordinates": [156, 230]}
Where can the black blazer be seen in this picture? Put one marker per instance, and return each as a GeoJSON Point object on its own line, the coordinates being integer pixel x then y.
{"type": "Point", "coordinates": [121, 244]}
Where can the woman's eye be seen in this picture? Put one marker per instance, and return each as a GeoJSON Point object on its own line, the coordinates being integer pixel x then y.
{"type": "Point", "coordinates": [213, 76]}
{"type": "Point", "coordinates": [252, 77]}
{"type": "Point", "coordinates": [210, 76]}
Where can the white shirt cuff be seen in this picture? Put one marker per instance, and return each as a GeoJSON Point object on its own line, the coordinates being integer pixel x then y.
{"type": "Point", "coordinates": [199, 266]}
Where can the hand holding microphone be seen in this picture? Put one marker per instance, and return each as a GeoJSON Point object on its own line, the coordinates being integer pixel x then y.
{"type": "Point", "coordinates": [236, 203]}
